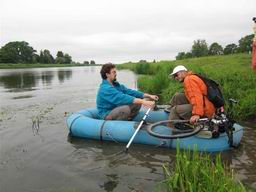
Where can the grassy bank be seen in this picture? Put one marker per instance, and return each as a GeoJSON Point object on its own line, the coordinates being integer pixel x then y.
{"type": "Point", "coordinates": [194, 171]}
{"type": "Point", "coordinates": [32, 65]}
{"type": "Point", "coordinates": [233, 72]}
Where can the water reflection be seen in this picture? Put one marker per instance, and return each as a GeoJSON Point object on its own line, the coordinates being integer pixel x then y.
{"type": "Point", "coordinates": [31, 79]}
{"type": "Point", "coordinates": [111, 183]}
{"type": "Point", "coordinates": [18, 82]}
{"type": "Point", "coordinates": [92, 69]}
{"type": "Point", "coordinates": [242, 160]}
{"type": "Point", "coordinates": [117, 167]}
{"type": "Point", "coordinates": [47, 77]}
{"type": "Point", "coordinates": [23, 97]}
{"type": "Point", "coordinates": [62, 75]}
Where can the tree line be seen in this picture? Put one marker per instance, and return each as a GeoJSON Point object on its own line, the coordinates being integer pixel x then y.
{"type": "Point", "coordinates": [200, 48]}
{"type": "Point", "coordinates": [22, 52]}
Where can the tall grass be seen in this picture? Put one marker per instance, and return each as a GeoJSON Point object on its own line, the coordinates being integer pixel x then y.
{"type": "Point", "coordinates": [232, 72]}
{"type": "Point", "coordinates": [196, 172]}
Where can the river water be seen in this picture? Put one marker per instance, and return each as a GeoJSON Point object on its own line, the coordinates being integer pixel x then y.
{"type": "Point", "coordinates": [45, 158]}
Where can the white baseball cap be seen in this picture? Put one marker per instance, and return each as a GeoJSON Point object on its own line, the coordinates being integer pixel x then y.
{"type": "Point", "coordinates": [178, 69]}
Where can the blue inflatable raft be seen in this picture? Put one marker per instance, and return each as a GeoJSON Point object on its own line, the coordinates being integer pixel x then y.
{"type": "Point", "coordinates": [86, 124]}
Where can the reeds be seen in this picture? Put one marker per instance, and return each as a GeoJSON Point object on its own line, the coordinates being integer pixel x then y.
{"type": "Point", "coordinates": [196, 172]}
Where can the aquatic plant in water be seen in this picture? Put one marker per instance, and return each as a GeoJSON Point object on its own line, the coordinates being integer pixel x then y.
{"type": "Point", "coordinates": [194, 171]}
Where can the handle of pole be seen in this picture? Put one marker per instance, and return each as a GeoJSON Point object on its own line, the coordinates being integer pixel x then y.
{"type": "Point", "coordinates": [134, 134]}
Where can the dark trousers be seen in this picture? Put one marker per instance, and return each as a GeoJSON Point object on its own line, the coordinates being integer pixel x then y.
{"type": "Point", "coordinates": [180, 107]}
{"type": "Point", "coordinates": [124, 112]}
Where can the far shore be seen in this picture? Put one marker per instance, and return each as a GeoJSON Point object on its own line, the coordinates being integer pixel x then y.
{"type": "Point", "coordinates": [38, 65]}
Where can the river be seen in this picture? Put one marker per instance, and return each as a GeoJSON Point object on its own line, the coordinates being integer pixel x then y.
{"type": "Point", "coordinates": [46, 159]}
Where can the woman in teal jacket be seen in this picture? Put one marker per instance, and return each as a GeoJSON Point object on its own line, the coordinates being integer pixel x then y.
{"type": "Point", "coordinates": [117, 102]}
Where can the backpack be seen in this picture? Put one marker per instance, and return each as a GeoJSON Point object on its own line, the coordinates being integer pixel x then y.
{"type": "Point", "coordinates": [213, 91]}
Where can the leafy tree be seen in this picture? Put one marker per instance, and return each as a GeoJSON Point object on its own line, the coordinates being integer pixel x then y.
{"type": "Point", "coordinates": [46, 57]}
{"type": "Point", "coordinates": [230, 48]}
{"type": "Point", "coordinates": [36, 58]}
{"type": "Point", "coordinates": [245, 44]}
{"type": "Point", "coordinates": [60, 54]}
{"type": "Point", "coordinates": [41, 57]}
{"type": "Point", "coordinates": [143, 61]}
{"type": "Point", "coordinates": [181, 55]}
{"type": "Point", "coordinates": [1, 56]}
{"type": "Point", "coordinates": [59, 57]}
{"type": "Point", "coordinates": [67, 58]}
{"type": "Point", "coordinates": [60, 60]}
{"type": "Point", "coordinates": [215, 49]}
{"type": "Point", "coordinates": [188, 55]}
{"type": "Point", "coordinates": [86, 62]}
{"type": "Point", "coordinates": [17, 52]}
{"type": "Point", "coordinates": [92, 62]}
{"type": "Point", "coordinates": [199, 48]}
{"type": "Point", "coordinates": [63, 58]}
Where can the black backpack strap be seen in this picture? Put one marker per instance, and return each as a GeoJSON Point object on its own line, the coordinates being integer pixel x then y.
{"type": "Point", "coordinates": [202, 78]}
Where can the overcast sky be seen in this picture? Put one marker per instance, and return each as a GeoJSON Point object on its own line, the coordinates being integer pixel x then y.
{"type": "Point", "coordinates": [124, 30]}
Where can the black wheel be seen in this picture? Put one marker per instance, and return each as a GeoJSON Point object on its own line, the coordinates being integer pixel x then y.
{"type": "Point", "coordinates": [179, 133]}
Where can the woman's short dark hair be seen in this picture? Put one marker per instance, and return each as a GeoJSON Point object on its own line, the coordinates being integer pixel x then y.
{"type": "Point", "coordinates": [106, 68]}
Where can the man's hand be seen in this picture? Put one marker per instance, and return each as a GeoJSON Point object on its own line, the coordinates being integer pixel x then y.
{"type": "Point", "coordinates": [154, 97]}
{"type": "Point", "coordinates": [148, 104]}
{"type": "Point", "coordinates": [194, 119]}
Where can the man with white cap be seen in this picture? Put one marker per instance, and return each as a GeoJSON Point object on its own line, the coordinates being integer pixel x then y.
{"type": "Point", "coordinates": [193, 103]}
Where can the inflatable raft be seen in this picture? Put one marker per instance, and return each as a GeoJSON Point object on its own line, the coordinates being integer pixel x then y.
{"type": "Point", "coordinates": [86, 124]}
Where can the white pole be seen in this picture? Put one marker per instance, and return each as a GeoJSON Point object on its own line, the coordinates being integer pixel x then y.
{"type": "Point", "coordinates": [143, 119]}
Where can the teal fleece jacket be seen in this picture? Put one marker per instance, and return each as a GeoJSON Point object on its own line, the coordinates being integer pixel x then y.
{"type": "Point", "coordinates": [110, 97]}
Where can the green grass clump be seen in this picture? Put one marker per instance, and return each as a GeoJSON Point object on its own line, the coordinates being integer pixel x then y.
{"type": "Point", "coordinates": [197, 172]}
